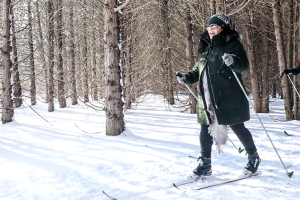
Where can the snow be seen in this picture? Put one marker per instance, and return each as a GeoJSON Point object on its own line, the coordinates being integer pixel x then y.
{"type": "Point", "coordinates": [43, 160]}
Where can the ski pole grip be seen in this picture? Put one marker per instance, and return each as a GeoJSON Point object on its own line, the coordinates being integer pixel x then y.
{"type": "Point", "coordinates": [282, 74]}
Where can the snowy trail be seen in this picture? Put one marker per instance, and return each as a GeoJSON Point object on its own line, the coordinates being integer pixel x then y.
{"type": "Point", "coordinates": [43, 162]}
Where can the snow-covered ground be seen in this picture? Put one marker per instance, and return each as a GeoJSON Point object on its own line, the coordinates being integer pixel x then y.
{"type": "Point", "coordinates": [54, 159]}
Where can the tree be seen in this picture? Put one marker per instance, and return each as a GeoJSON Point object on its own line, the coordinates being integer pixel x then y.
{"type": "Point", "coordinates": [71, 53]}
{"type": "Point", "coordinates": [7, 105]}
{"type": "Point", "coordinates": [115, 124]}
{"type": "Point", "coordinates": [17, 90]}
{"type": "Point", "coordinates": [50, 55]}
{"type": "Point", "coordinates": [282, 59]}
{"type": "Point", "coordinates": [31, 57]}
{"type": "Point", "coordinates": [60, 66]}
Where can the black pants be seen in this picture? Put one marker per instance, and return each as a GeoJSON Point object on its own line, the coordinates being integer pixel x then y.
{"type": "Point", "coordinates": [244, 135]}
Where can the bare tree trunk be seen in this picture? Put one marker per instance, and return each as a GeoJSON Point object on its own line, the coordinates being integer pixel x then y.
{"type": "Point", "coordinates": [189, 52]}
{"type": "Point", "coordinates": [212, 7]}
{"type": "Point", "coordinates": [7, 106]}
{"type": "Point", "coordinates": [297, 78]}
{"type": "Point", "coordinates": [94, 71]}
{"type": "Point", "coordinates": [166, 63]}
{"type": "Point", "coordinates": [265, 71]}
{"type": "Point", "coordinates": [41, 49]}
{"type": "Point", "coordinates": [85, 83]}
{"type": "Point", "coordinates": [220, 6]}
{"type": "Point", "coordinates": [50, 54]}
{"type": "Point", "coordinates": [282, 60]}
{"type": "Point", "coordinates": [115, 124]}
{"type": "Point", "coordinates": [31, 57]}
{"type": "Point", "coordinates": [60, 67]}
{"type": "Point", "coordinates": [129, 84]}
{"type": "Point", "coordinates": [253, 73]}
{"type": "Point", "coordinates": [72, 56]}
{"type": "Point", "coordinates": [17, 90]}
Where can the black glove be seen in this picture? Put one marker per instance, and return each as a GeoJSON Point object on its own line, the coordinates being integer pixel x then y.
{"type": "Point", "coordinates": [180, 77]}
{"type": "Point", "coordinates": [287, 71]}
{"type": "Point", "coordinates": [294, 71]}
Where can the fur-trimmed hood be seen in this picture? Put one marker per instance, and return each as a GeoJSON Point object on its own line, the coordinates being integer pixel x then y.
{"type": "Point", "coordinates": [227, 36]}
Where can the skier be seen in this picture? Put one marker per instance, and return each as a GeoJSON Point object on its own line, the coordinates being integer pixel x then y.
{"type": "Point", "coordinates": [221, 101]}
{"type": "Point", "coordinates": [294, 71]}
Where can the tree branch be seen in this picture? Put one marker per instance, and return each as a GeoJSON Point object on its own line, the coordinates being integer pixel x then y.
{"type": "Point", "coordinates": [122, 6]}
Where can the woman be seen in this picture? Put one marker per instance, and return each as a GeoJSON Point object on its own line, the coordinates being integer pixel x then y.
{"type": "Point", "coordinates": [221, 101]}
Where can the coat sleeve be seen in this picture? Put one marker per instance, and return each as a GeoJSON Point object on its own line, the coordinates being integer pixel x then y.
{"type": "Point", "coordinates": [193, 76]}
{"type": "Point", "coordinates": [240, 59]}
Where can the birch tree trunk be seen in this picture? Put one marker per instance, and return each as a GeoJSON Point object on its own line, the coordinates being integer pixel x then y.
{"type": "Point", "coordinates": [60, 67]}
{"type": "Point", "coordinates": [50, 54]}
{"type": "Point", "coordinates": [17, 90]}
{"type": "Point", "coordinates": [115, 124]}
{"type": "Point", "coordinates": [7, 105]}
{"type": "Point", "coordinates": [31, 57]}
{"type": "Point", "coordinates": [282, 60]}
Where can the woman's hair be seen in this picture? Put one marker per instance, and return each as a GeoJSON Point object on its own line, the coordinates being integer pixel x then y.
{"type": "Point", "coordinates": [228, 34]}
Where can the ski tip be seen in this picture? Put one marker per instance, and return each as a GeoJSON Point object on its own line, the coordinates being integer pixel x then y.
{"type": "Point", "coordinates": [175, 186]}
{"type": "Point", "coordinates": [290, 174]}
{"type": "Point", "coordinates": [287, 133]}
{"type": "Point", "coordinates": [108, 195]}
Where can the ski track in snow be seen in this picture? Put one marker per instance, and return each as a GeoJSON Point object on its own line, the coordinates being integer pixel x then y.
{"type": "Point", "coordinates": [56, 160]}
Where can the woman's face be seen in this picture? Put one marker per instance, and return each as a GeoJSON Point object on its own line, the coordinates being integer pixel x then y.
{"type": "Point", "coordinates": [213, 29]}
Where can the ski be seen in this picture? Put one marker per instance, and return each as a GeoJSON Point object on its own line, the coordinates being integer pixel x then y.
{"type": "Point", "coordinates": [188, 180]}
{"type": "Point", "coordinates": [241, 177]}
{"type": "Point", "coordinates": [288, 133]}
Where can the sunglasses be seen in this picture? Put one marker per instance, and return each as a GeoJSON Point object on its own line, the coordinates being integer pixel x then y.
{"type": "Point", "coordinates": [212, 27]}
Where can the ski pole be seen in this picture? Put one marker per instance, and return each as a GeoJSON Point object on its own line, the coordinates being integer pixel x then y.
{"type": "Point", "coordinates": [239, 149]}
{"type": "Point", "coordinates": [289, 174]}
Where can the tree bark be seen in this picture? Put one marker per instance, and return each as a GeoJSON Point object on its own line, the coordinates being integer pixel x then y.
{"type": "Point", "coordinates": [282, 59]}
{"type": "Point", "coordinates": [253, 70]}
{"type": "Point", "coordinates": [85, 82]}
{"type": "Point", "coordinates": [212, 7]}
{"type": "Point", "coordinates": [72, 56]}
{"type": "Point", "coordinates": [7, 105]}
{"type": "Point", "coordinates": [265, 71]}
{"type": "Point", "coordinates": [42, 50]}
{"type": "Point", "coordinates": [166, 63]}
{"type": "Point", "coordinates": [17, 89]}
{"type": "Point", "coordinates": [31, 57]}
{"type": "Point", "coordinates": [60, 67]}
{"type": "Point", "coordinates": [115, 124]}
{"type": "Point", "coordinates": [220, 6]}
{"type": "Point", "coordinates": [189, 52]}
{"type": "Point", "coordinates": [50, 54]}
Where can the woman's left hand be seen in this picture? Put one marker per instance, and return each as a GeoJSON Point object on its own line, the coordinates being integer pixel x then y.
{"type": "Point", "coordinates": [228, 59]}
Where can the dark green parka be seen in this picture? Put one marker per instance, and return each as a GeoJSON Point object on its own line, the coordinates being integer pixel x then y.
{"type": "Point", "coordinates": [230, 104]}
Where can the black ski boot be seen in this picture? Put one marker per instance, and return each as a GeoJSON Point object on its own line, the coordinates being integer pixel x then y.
{"type": "Point", "coordinates": [253, 163]}
{"type": "Point", "coordinates": [204, 167]}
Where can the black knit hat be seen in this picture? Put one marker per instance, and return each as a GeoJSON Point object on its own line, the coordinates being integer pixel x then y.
{"type": "Point", "coordinates": [220, 19]}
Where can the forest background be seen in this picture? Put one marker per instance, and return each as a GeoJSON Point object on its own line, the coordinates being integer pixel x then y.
{"type": "Point", "coordinates": [117, 51]}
